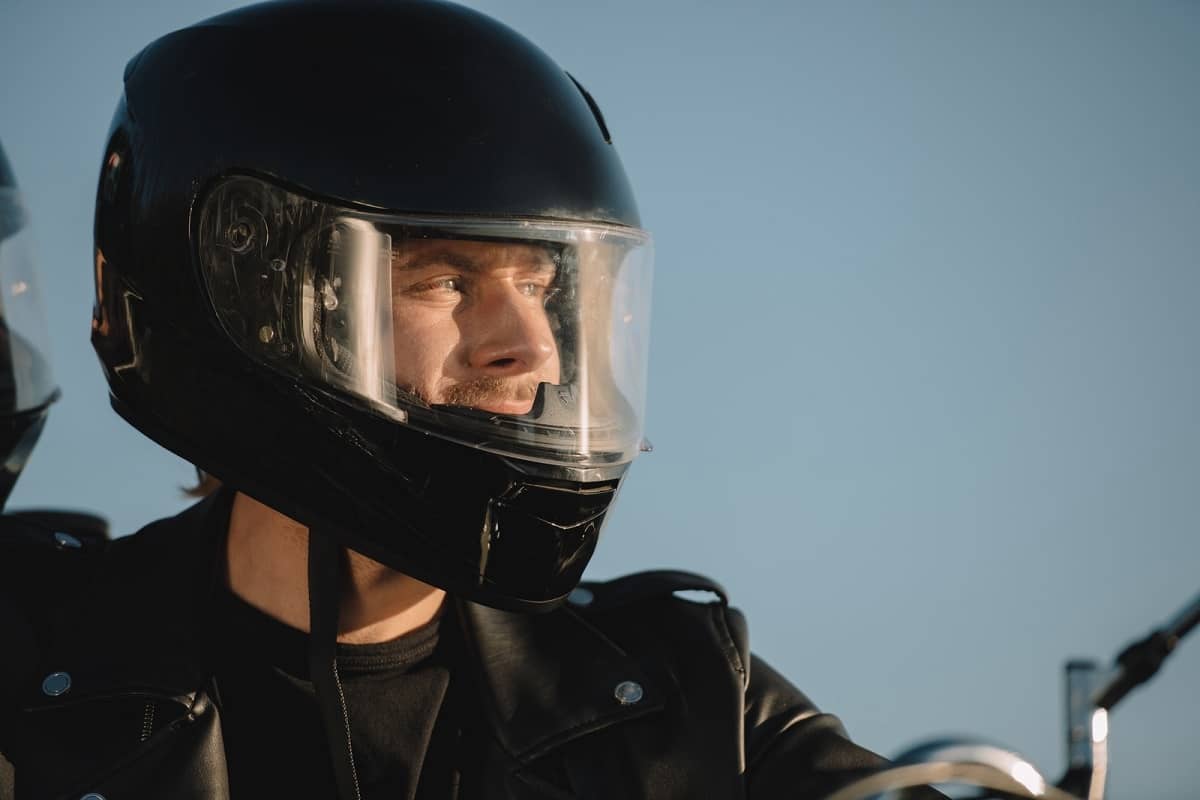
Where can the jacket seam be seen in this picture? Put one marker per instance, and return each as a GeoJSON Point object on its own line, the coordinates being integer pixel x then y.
{"type": "Point", "coordinates": [728, 647]}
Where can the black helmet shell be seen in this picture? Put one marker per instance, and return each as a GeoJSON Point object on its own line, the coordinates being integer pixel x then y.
{"type": "Point", "coordinates": [418, 107]}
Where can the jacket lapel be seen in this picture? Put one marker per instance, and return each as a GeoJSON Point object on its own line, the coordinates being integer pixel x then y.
{"type": "Point", "coordinates": [550, 679]}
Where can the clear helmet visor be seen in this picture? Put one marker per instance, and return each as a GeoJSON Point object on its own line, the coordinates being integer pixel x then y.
{"type": "Point", "coordinates": [524, 338]}
{"type": "Point", "coordinates": [26, 380]}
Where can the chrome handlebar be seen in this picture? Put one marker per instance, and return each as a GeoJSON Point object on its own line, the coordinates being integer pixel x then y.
{"type": "Point", "coordinates": [1090, 693]}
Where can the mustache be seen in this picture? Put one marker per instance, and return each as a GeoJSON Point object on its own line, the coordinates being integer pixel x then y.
{"type": "Point", "coordinates": [488, 389]}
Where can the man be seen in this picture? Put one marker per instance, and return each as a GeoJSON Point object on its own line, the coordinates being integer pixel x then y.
{"type": "Point", "coordinates": [377, 267]}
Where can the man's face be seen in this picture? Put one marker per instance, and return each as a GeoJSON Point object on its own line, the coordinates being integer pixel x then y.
{"type": "Point", "coordinates": [470, 322]}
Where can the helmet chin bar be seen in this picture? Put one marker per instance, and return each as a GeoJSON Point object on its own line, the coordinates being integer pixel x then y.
{"type": "Point", "coordinates": [562, 408]}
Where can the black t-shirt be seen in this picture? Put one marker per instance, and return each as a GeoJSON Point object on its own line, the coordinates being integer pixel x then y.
{"type": "Point", "coordinates": [403, 732]}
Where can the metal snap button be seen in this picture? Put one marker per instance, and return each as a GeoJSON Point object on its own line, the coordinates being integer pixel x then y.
{"type": "Point", "coordinates": [581, 596]}
{"type": "Point", "coordinates": [92, 796]}
{"type": "Point", "coordinates": [66, 541]}
{"type": "Point", "coordinates": [628, 693]}
{"type": "Point", "coordinates": [56, 683]}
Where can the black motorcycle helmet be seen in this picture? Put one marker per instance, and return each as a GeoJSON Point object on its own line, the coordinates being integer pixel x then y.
{"type": "Point", "coordinates": [278, 184]}
{"type": "Point", "coordinates": [26, 384]}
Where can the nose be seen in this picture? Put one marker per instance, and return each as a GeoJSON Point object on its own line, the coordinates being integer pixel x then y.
{"type": "Point", "coordinates": [510, 334]}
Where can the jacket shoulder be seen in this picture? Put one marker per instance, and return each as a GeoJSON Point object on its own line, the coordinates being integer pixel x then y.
{"type": "Point", "coordinates": [64, 583]}
{"type": "Point", "coordinates": [115, 621]}
{"type": "Point", "coordinates": [42, 552]}
{"type": "Point", "coordinates": [36, 534]}
{"type": "Point", "coordinates": [787, 745]}
{"type": "Point", "coordinates": [46, 556]}
{"type": "Point", "coordinates": [671, 616]}
{"type": "Point", "coordinates": [640, 587]}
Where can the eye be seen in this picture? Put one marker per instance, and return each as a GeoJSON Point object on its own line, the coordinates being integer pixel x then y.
{"type": "Point", "coordinates": [445, 286]}
{"type": "Point", "coordinates": [535, 288]}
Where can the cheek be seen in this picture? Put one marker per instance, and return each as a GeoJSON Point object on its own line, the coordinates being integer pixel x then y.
{"type": "Point", "coordinates": [423, 344]}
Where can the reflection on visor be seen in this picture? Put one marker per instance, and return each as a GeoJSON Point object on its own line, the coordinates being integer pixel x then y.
{"type": "Point", "coordinates": [26, 381]}
{"type": "Point", "coordinates": [524, 338]}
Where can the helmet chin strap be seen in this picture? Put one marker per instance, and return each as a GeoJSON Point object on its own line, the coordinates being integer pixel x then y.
{"type": "Point", "coordinates": [326, 559]}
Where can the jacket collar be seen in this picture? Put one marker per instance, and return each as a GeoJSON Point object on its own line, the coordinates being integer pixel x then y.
{"type": "Point", "coordinates": [543, 680]}
{"type": "Point", "coordinates": [548, 679]}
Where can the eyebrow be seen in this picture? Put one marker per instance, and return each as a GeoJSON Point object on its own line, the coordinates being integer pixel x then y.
{"type": "Point", "coordinates": [456, 260]}
{"type": "Point", "coordinates": [459, 261]}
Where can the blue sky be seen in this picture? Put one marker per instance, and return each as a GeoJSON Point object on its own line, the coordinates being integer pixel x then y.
{"type": "Point", "coordinates": [923, 382]}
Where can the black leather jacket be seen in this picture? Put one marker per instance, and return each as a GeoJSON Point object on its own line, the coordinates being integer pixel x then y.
{"type": "Point", "coordinates": [122, 619]}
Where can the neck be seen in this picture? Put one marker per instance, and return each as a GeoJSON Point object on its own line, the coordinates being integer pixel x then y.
{"type": "Point", "coordinates": [267, 555]}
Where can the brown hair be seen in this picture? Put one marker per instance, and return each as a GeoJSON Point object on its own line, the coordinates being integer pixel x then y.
{"type": "Point", "coordinates": [205, 485]}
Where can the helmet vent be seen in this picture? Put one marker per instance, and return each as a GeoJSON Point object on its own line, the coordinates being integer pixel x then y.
{"type": "Point", "coordinates": [595, 108]}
